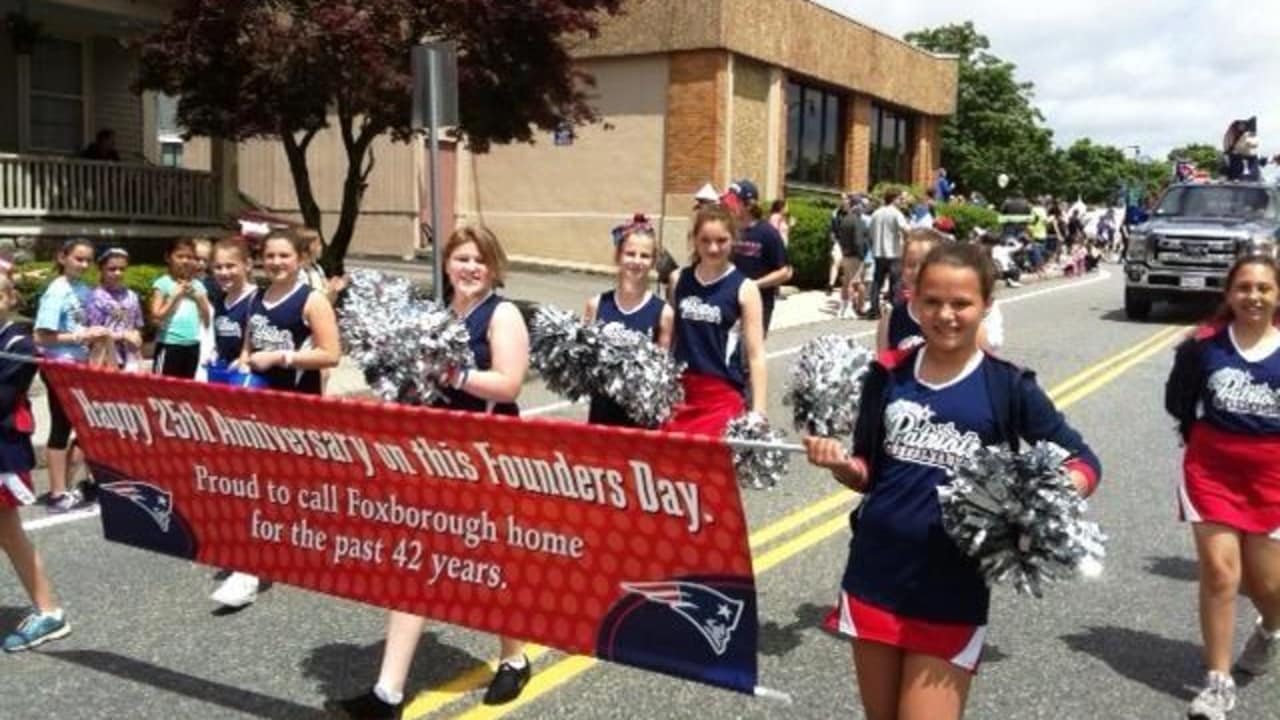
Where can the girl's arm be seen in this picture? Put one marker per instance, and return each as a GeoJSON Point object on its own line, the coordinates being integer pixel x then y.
{"type": "Point", "coordinates": [882, 329]}
{"type": "Point", "coordinates": [589, 313]}
{"type": "Point", "coordinates": [753, 344]}
{"type": "Point", "coordinates": [666, 327]}
{"type": "Point", "coordinates": [1041, 420]}
{"type": "Point", "coordinates": [16, 376]}
{"type": "Point", "coordinates": [324, 351]}
{"type": "Point", "coordinates": [1182, 389]}
{"type": "Point", "coordinates": [162, 306]}
{"type": "Point", "coordinates": [203, 305]}
{"type": "Point", "coordinates": [830, 453]}
{"type": "Point", "coordinates": [509, 348]}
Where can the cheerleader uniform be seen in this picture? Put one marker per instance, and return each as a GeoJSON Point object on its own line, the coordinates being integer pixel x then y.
{"type": "Point", "coordinates": [708, 321]}
{"type": "Point", "coordinates": [477, 323]}
{"type": "Point", "coordinates": [906, 583]}
{"type": "Point", "coordinates": [230, 318]}
{"type": "Point", "coordinates": [1230, 416]}
{"type": "Point", "coordinates": [282, 326]}
{"type": "Point", "coordinates": [645, 318]}
{"type": "Point", "coordinates": [16, 421]}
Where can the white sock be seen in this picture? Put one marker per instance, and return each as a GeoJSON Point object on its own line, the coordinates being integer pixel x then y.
{"type": "Point", "coordinates": [516, 661]}
{"type": "Point", "coordinates": [1221, 679]}
{"type": "Point", "coordinates": [55, 613]}
{"type": "Point", "coordinates": [388, 696]}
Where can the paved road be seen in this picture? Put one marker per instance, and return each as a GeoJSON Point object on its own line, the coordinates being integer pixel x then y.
{"type": "Point", "coordinates": [147, 643]}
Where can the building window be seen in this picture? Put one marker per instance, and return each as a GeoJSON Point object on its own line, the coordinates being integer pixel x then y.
{"type": "Point", "coordinates": [168, 132]}
{"type": "Point", "coordinates": [815, 135]}
{"type": "Point", "coordinates": [57, 96]}
{"type": "Point", "coordinates": [890, 146]}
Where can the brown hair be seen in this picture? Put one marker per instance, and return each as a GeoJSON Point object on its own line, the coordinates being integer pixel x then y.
{"type": "Point", "coordinates": [491, 252]}
{"type": "Point", "coordinates": [235, 244]}
{"type": "Point", "coordinates": [301, 244]}
{"type": "Point", "coordinates": [712, 213]}
{"type": "Point", "coordinates": [178, 243]}
{"type": "Point", "coordinates": [638, 227]}
{"type": "Point", "coordinates": [67, 246]}
{"type": "Point", "coordinates": [925, 235]}
{"type": "Point", "coordinates": [962, 255]}
{"type": "Point", "coordinates": [1224, 313]}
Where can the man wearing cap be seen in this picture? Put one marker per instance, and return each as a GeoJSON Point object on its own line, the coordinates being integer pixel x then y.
{"type": "Point", "coordinates": [759, 253]}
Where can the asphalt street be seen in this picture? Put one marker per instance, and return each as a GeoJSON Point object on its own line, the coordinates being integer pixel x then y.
{"type": "Point", "coordinates": [148, 643]}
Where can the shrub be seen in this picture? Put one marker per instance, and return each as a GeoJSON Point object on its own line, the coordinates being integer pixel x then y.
{"type": "Point", "coordinates": [968, 217]}
{"type": "Point", "coordinates": [809, 248]}
{"type": "Point", "coordinates": [915, 191]}
{"type": "Point", "coordinates": [30, 280]}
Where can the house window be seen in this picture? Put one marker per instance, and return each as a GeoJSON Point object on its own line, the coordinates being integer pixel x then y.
{"type": "Point", "coordinates": [815, 135]}
{"type": "Point", "coordinates": [57, 96]}
{"type": "Point", "coordinates": [890, 145]}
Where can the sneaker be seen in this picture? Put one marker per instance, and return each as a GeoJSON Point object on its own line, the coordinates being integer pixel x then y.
{"type": "Point", "coordinates": [64, 502]}
{"type": "Point", "coordinates": [1259, 654]}
{"type": "Point", "coordinates": [363, 707]}
{"type": "Point", "coordinates": [1216, 700]}
{"type": "Point", "coordinates": [37, 629]}
{"type": "Point", "coordinates": [237, 591]}
{"type": "Point", "coordinates": [1013, 283]}
{"type": "Point", "coordinates": [508, 683]}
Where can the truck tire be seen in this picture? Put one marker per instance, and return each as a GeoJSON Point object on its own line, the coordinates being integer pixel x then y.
{"type": "Point", "coordinates": [1136, 305]}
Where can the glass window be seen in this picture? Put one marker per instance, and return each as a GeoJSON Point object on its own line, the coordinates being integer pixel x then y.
{"type": "Point", "coordinates": [57, 96]}
{"type": "Point", "coordinates": [890, 145]}
{"type": "Point", "coordinates": [815, 135]}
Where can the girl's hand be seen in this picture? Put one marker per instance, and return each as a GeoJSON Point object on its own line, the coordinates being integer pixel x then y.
{"type": "Point", "coordinates": [265, 360]}
{"type": "Point", "coordinates": [95, 333]}
{"type": "Point", "coordinates": [133, 338]}
{"type": "Point", "coordinates": [830, 453]}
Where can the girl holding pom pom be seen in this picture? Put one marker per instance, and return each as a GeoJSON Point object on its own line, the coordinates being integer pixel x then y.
{"type": "Point", "coordinates": [915, 605]}
{"type": "Point", "coordinates": [630, 304]}
{"type": "Point", "coordinates": [719, 323]}
{"type": "Point", "coordinates": [1224, 391]}
{"type": "Point", "coordinates": [474, 263]}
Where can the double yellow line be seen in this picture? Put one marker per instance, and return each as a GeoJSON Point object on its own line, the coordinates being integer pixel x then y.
{"type": "Point", "coordinates": [832, 509]}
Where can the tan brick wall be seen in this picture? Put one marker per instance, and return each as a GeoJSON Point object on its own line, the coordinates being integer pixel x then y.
{"type": "Point", "coordinates": [857, 143]}
{"type": "Point", "coordinates": [750, 122]}
{"type": "Point", "coordinates": [798, 35]}
{"type": "Point", "coordinates": [926, 151]}
{"type": "Point", "coordinates": [695, 131]}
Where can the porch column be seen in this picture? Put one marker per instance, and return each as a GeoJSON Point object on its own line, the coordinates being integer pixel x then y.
{"type": "Point", "coordinates": [224, 162]}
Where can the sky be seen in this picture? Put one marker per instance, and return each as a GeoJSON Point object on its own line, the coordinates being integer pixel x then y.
{"type": "Point", "coordinates": [1151, 73]}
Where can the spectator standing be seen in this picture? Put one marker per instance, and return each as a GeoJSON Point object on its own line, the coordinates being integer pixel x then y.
{"type": "Point", "coordinates": [888, 228]}
{"type": "Point", "coordinates": [853, 237]}
{"type": "Point", "coordinates": [759, 252]}
{"type": "Point", "coordinates": [780, 219]}
{"type": "Point", "coordinates": [943, 187]}
{"type": "Point", "coordinates": [103, 147]}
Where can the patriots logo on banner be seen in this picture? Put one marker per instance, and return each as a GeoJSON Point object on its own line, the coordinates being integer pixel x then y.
{"type": "Point", "coordinates": [157, 502]}
{"type": "Point", "coordinates": [713, 613]}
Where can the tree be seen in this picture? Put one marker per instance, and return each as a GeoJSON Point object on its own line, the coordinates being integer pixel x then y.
{"type": "Point", "coordinates": [996, 128]}
{"type": "Point", "coordinates": [1203, 156]}
{"type": "Point", "coordinates": [286, 69]}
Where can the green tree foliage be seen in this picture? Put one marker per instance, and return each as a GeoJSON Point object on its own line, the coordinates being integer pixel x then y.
{"type": "Point", "coordinates": [1204, 156]}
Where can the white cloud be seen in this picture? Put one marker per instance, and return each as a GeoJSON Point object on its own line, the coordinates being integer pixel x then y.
{"type": "Point", "coordinates": [1153, 73]}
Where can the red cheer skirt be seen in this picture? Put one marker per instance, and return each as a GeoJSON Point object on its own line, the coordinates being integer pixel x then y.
{"type": "Point", "coordinates": [960, 645]}
{"type": "Point", "coordinates": [709, 404]}
{"type": "Point", "coordinates": [1231, 479]}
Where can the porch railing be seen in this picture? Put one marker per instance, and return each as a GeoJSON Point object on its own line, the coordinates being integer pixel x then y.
{"type": "Point", "coordinates": [33, 186]}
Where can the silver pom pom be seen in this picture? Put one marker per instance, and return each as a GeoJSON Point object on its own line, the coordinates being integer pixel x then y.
{"type": "Point", "coordinates": [577, 360]}
{"type": "Point", "coordinates": [825, 386]}
{"type": "Point", "coordinates": [404, 343]}
{"type": "Point", "coordinates": [1021, 518]}
{"type": "Point", "coordinates": [759, 457]}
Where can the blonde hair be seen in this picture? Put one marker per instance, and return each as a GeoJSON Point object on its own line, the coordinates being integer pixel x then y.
{"type": "Point", "coordinates": [491, 252]}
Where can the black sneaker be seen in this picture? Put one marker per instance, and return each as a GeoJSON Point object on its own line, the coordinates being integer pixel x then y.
{"type": "Point", "coordinates": [363, 707]}
{"type": "Point", "coordinates": [508, 683]}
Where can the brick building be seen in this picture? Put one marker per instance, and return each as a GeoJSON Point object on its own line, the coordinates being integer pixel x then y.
{"type": "Point", "coordinates": [787, 93]}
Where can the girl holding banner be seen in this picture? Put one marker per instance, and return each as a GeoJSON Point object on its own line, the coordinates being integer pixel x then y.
{"type": "Point", "coordinates": [474, 263]}
{"type": "Point", "coordinates": [631, 304]}
{"type": "Point", "coordinates": [914, 602]}
{"type": "Point", "coordinates": [291, 336]}
{"type": "Point", "coordinates": [719, 319]}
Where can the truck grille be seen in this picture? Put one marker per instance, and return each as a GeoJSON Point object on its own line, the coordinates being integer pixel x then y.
{"type": "Point", "coordinates": [1176, 251]}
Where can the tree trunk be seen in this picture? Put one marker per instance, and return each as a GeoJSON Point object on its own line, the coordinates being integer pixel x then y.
{"type": "Point", "coordinates": [296, 152]}
{"type": "Point", "coordinates": [353, 188]}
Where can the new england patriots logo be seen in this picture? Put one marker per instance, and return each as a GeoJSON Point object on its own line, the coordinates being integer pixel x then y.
{"type": "Point", "coordinates": [714, 614]}
{"type": "Point", "coordinates": [157, 502]}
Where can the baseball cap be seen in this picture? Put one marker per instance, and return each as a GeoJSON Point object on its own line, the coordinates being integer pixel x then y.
{"type": "Point", "coordinates": [745, 190]}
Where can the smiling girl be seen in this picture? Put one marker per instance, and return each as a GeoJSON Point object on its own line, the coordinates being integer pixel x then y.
{"type": "Point", "coordinates": [1224, 391]}
{"type": "Point", "coordinates": [631, 303]}
{"type": "Point", "coordinates": [915, 605]}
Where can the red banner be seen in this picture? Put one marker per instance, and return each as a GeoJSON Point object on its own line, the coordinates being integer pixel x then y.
{"type": "Point", "coordinates": [623, 544]}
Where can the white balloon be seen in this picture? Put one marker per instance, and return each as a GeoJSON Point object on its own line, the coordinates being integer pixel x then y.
{"type": "Point", "coordinates": [1002, 180]}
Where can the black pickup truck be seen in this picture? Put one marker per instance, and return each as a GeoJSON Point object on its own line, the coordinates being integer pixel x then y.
{"type": "Point", "coordinates": [1192, 237]}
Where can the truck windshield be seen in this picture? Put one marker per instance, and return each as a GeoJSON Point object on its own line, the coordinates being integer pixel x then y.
{"type": "Point", "coordinates": [1245, 203]}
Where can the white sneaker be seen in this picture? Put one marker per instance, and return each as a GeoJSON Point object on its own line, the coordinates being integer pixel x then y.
{"type": "Point", "coordinates": [1013, 283]}
{"type": "Point", "coordinates": [1259, 654]}
{"type": "Point", "coordinates": [1216, 699]}
{"type": "Point", "coordinates": [237, 591]}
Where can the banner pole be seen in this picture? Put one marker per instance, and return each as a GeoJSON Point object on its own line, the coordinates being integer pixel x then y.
{"type": "Point", "coordinates": [762, 445]}
{"type": "Point", "coordinates": [775, 695]}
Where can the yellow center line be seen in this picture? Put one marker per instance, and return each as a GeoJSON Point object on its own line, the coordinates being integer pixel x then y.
{"type": "Point", "coordinates": [455, 689]}
{"type": "Point", "coordinates": [1065, 394]}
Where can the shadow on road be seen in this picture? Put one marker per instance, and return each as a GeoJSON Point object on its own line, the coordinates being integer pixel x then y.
{"type": "Point", "coordinates": [1174, 568]}
{"type": "Point", "coordinates": [11, 615]}
{"type": "Point", "coordinates": [344, 669]}
{"type": "Point", "coordinates": [779, 640]}
{"type": "Point", "coordinates": [1167, 666]}
{"type": "Point", "coordinates": [208, 691]}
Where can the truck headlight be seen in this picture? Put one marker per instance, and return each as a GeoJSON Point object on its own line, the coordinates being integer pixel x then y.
{"type": "Point", "coordinates": [1138, 247]}
{"type": "Point", "coordinates": [1265, 246]}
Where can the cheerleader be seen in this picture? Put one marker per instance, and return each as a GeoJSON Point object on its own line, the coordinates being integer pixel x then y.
{"type": "Point", "coordinates": [474, 265]}
{"type": "Point", "coordinates": [1224, 391]}
{"type": "Point", "coordinates": [899, 329]}
{"type": "Point", "coordinates": [63, 334]}
{"type": "Point", "coordinates": [291, 334]}
{"type": "Point", "coordinates": [718, 320]}
{"type": "Point", "coordinates": [46, 621]}
{"type": "Point", "coordinates": [915, 605]}
{"type": "Point", "coordinates": [234, 299]}
{"type": "Point", "coordinates": [630, 304]}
